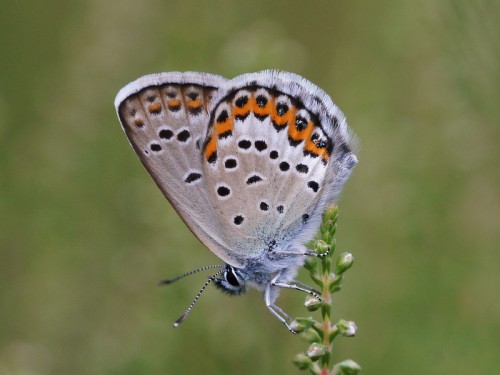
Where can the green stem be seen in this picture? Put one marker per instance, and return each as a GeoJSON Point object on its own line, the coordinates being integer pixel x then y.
{"type": "Point", "coordinates": [321, 334]}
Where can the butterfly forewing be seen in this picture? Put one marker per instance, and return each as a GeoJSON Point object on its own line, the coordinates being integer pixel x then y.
{"type": "Point", "coordinates": [165, 119]}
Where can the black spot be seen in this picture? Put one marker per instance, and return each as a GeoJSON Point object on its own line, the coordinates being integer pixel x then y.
{"type": "Point", "coordinates": [284, 166]}
{"type": "Point", "coordinates": [195, 111]}
{"type": "Point", "coordinates": [264, 206]}
{"type": "Point", "coordinates": [261, 101]}
{"type": "Point", "coordinates": [280, 209]}
{"type": "Point", "coordinates": [313, 185]}
{"type": "Point", "coordinates": [174, 108]}
{"type": "Point", "coordinates": [242, 117]}
{"type": "Point", "coordinates": [151, 98]}
{"type": "Point", "coordinates": [321, 143]}
{"type": "Point", "coordinates": [183, 136]}
{"type": "Point", "coordinates": [222, 116]}
{"type": "Point", "coordinates": [273, 154]}
{"type": "Point", "coordinates": [166, 133]}
{"type": "Point", "coordinates": [223, 191]}
{"type": "Point", "coordinates": [244, 144]}
{"type": "Point", "coordinates": [193, 95]}
{"type": "Point", "coordinates": [146, 152]}
{"type": "Point", "coordinates": [253, 179]}
{"type": "Point", "coordinates": [261, 117]}
{"type": "Point", "coordinates": [227, 133]}
{"type": "Point", "coordinates": [279, 127]}
{"type": "Point", "coordinates": [314, 137]}
{"type": "Point", "coordinates": [155, 147]}
{"type": "Point", "coordinates": [192, 177]}
{"type": "Point", "coordinates": [305, 217]}
{"type": "Point", "coordinates": [238, 219]}
{"type": "Point", "coordinates": [230, 163]}
{"type": "Point", "coordinates": [241, 101]}
{"type": "Point", "coordinates": [311, 154]}
{"type": "Point", "coordinates": [171, 94]}
{"type": "Point", "coordinates": [300, 123]}
{"type": "Point", "coordinates": [139, 123]}
{"type": "Point", "coordinates": [212, 158]}
{"type": "Point", "coordinates": [294, 142]}
{"type": "Point", "coordinates": [260, 145]}
{"type": "Point", "coordinates": [302, 168]}
{"type": "Point", "coordinates": [198, 143]}
{"type": "Point", "coordinates": [281, 109]}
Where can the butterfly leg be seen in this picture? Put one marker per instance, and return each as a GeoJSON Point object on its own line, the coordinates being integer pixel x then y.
{"type": "Point", "coordinates": [296, 286]}
{"type": "Point", "coordinates": [303, 251]}
{"type": "Point", "coordinates": [305, 286]}
{"type": "Point", "coordinates": [277, 311]}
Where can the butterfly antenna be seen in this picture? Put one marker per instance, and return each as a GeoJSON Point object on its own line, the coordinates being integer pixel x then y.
{"type": "Point", "coordinates": [188, 310]}
{"type": "Point", "coordinates": [170, 281]}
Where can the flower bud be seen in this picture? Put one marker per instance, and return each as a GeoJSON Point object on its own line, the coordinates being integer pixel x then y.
{"type": "Point", "coordinates": [331, 211]}
{"type": "Point", "coordinates": [347, 367]}
{"type": "Point", "coordinates": [321, 247]}
{"type": "Point", "coordinates": [313, 303]}
{"type": "Point", "coordinates": [347, 328]}
{"type": "Point", "coordinates": [297, 327]}
{"type": "Point", "coordinates": [344, 262]}
{"type": "Point", "coordinates": [315, 351]}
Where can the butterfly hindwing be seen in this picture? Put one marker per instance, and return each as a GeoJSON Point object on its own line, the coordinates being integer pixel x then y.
{"type": "Point", "coordinates": [277, 151]}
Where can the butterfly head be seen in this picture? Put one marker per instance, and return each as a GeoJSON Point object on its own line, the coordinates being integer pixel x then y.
{"type": "Point", "coordinates": [232, 281]}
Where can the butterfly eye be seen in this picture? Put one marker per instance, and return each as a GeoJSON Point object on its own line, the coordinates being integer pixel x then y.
{"type": "Point", "coordinates": [231, 277]}
{"type": "Point", "coordinates": [231, 281]}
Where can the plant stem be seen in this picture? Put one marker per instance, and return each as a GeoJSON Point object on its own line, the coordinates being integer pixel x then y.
{"type": "Point", "coordinates": [320, 335]}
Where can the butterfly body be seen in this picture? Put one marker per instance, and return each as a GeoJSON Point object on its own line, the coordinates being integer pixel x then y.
{"type": "Point", "coordinates": [249, 164]}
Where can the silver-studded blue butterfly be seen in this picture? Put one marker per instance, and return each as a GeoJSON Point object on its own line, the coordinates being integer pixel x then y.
{"type": "Point", "coordinates": [249, 164]}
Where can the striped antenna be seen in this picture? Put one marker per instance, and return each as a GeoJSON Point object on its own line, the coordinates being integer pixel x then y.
{"type": "Point", "coordinates": [188, 310]}
{"type": "Point", "coordinates": [170, 281]}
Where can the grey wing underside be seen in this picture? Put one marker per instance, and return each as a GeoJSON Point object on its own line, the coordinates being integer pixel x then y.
{"type": "Point", "coordinates": [268, 181]}
{"type": "Point", "coordinates": [165, 118]}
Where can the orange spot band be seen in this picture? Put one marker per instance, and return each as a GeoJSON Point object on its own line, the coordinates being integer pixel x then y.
{"type": "Point", "coordinates": [174, 103]}
{"type": "Point", "coordinates": [223, 127]}
{"type": "Point", "coordinates": [211, 147]}
{"type": "Point", "coordinates": [300, 135]}
{"type": "Point", "coordinates": [194, 104]}
{"type": "Point", "coordinates": [155, 107]}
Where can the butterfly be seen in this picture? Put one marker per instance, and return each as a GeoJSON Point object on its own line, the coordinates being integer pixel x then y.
{"type": "Point", "coordinates": [248, 163]}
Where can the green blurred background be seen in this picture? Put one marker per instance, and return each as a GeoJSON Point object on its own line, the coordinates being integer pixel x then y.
{"type": "Point", "coordinates": [85, 233]}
